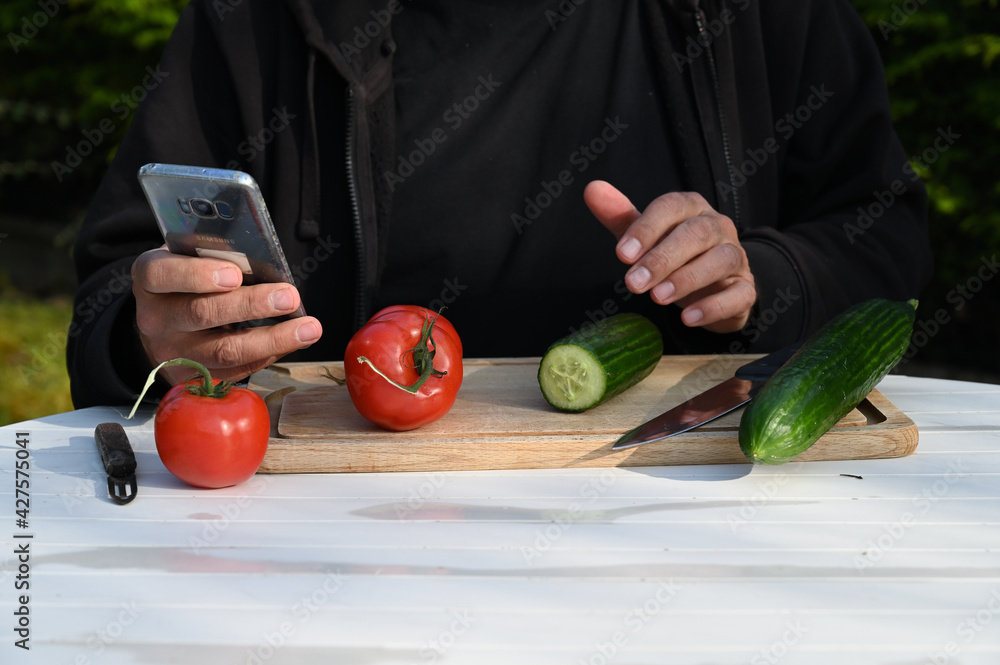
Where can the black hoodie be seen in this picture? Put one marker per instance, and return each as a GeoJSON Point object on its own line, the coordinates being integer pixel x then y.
{"type": "Point", "coordinates": [777, 111]}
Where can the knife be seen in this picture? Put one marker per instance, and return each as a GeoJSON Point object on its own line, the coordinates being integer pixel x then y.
{"type": "Point", "coordinates": [119, 461]}
{"type": "Point", "coordinates": [709, 405]}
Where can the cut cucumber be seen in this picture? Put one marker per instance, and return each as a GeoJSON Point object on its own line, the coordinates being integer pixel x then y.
{"type": "Point", "coordinates": [592, 365]}
{"type": "Point", "coordinates": [833, 371]}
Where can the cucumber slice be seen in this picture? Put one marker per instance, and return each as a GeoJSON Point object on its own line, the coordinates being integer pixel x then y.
{"type": "Point", "coordinates": [590, 366]}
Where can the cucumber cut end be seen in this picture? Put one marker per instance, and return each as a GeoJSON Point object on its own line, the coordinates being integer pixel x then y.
{"type": "Point", "coordinates": [571, 378]}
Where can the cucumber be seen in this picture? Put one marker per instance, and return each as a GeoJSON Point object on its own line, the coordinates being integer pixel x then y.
{"type": "Point", "coordinates": [592, 365]}
{"type": "Point", "coordinates": [834, 370]}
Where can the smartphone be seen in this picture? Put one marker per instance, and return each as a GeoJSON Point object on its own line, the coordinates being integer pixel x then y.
{"type": "Point", "coordinates": [217, 213]}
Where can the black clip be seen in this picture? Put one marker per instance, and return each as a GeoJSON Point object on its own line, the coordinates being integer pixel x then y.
{"type": "Point", "coordinates": [119, 461]}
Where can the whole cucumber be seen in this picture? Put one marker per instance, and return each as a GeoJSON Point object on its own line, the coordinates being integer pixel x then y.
{"type": "Point", "coordinates": [828, 377]}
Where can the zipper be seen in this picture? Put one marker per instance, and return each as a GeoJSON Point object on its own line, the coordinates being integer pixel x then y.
{"type": "Point", "coordinates": [361, 272]}
{"type": "Point", "coordinates": [702, 32]}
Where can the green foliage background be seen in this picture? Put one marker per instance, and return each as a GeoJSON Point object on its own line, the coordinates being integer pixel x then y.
{"type": "Point", "coordinates": [66, 63]}
{"type": "Point", "coordinates": [942, 67]}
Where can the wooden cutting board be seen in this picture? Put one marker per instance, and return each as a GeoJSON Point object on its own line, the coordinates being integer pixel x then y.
{"type": "Point", "coordinates": [501, 421]}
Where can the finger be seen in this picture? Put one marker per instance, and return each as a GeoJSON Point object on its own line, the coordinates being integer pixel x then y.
{"type": "Point", "coordinates": [235, 354]}
{"type": "Point", "coordinates": [160, 271]}
{"type": "Point", "coordinates": [194, 312]}
{"type": "Point", "coordinates": [721, 308]}
{"type": "Point", "coordinates": [658, 220]}
{"type": "Point", "coordinates": [242, 352]}
{"type": "Point", "coordinates": [717, 264]}
{"type": "Point", "coordinates": [610, 206]}
{"type": "Point", "coordinates": [688, 240]}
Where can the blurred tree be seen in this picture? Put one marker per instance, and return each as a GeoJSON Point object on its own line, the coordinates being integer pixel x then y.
{"type": "Point", "coordinates": [73, 72]}
{"type": "Point", "coordinates": [941, 63]}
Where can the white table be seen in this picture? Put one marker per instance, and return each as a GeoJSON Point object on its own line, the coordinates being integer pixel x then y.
{"type": "Point", "coordinates": [884, 561]}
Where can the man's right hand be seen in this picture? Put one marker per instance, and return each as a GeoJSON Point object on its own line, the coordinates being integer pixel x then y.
{"type": "Point", "coordinates": [186, 305]}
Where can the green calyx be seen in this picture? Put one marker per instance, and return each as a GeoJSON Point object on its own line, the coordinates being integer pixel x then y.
{"type": "Point", "coordinates": [423, 360]}
{"type": "Point", "coordinates": [206, 388]}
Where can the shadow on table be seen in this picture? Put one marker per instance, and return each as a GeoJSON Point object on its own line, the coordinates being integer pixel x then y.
{"type": "Point", "coordinates": [81, 459]}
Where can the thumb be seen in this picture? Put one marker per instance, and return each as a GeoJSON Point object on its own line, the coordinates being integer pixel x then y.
{"type": "Point", "coordinates": [610, 206]}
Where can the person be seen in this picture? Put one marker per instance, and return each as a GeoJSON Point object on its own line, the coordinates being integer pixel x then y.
{"type": "Point", "coordinates": [726, 167]}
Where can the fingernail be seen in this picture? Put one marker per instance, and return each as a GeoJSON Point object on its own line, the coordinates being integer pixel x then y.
{"type": "Point", "coordinates": [630, 249]}
{"type": "Point", "coordinates": [227, 278]}
{"type": "Point", "coordinates": [692, 316]}
{"type": "Point", "coordinates": [282, 300]}
{"type": "Point", "coordinates": [663, 291]}
{"type": "Point", "coordinates": [638, 279]}
{"type": "Point", "coordinates": [308, 333]}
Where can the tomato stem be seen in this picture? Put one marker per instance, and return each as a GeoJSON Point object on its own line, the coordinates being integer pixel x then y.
{"type": "Point", "coordinates": [423, 359]}
{"type": "Point", "coordinates": [327, 374]}
{"type": "Point", "coordinates": [207, 388]}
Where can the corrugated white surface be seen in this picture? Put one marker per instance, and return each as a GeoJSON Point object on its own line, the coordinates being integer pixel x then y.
{"type": "Point", "coordinates": [803, 563]}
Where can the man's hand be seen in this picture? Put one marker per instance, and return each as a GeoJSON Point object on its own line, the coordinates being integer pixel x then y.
{"type": "Point", "coordinates": [681, 251]}
{"type": "Point", "coordinates": [185, 305]}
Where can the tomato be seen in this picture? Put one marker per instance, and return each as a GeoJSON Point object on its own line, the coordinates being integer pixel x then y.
{"type": "Point", "coordinates": [404, 367]}
{"type": "Point", "coordinates": [440, 323]}
{"type": "Point", "coordinates": [210, 433]}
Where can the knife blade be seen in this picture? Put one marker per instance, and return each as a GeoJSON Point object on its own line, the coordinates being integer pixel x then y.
{"type": "Point", "coordinates": [707, 406]}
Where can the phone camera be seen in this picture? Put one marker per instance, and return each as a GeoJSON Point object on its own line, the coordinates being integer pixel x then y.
{"type": "Point", "coordinates": [184, 206]}
{"type": "Point", "coordinates": [202, 208]}
{"type": "Point", "coordinates": [224, 209]}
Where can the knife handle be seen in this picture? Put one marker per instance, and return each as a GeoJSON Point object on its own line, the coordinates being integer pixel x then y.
{"type": "Point", "coordinates": [116, 452]}
{"type": "Point", "coordinates": [762, 368]}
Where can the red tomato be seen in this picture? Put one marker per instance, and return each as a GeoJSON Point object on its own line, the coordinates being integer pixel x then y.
{"type": "Point", "coordinates": [392, 342]}
{"type": "Point", "coordinates": [440, 323]}
{"type": "Point", "coordinates": [211, 441]}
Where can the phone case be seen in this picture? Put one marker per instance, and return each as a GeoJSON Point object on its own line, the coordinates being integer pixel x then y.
{"type": "Point", "coordinates": [216, 213]}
